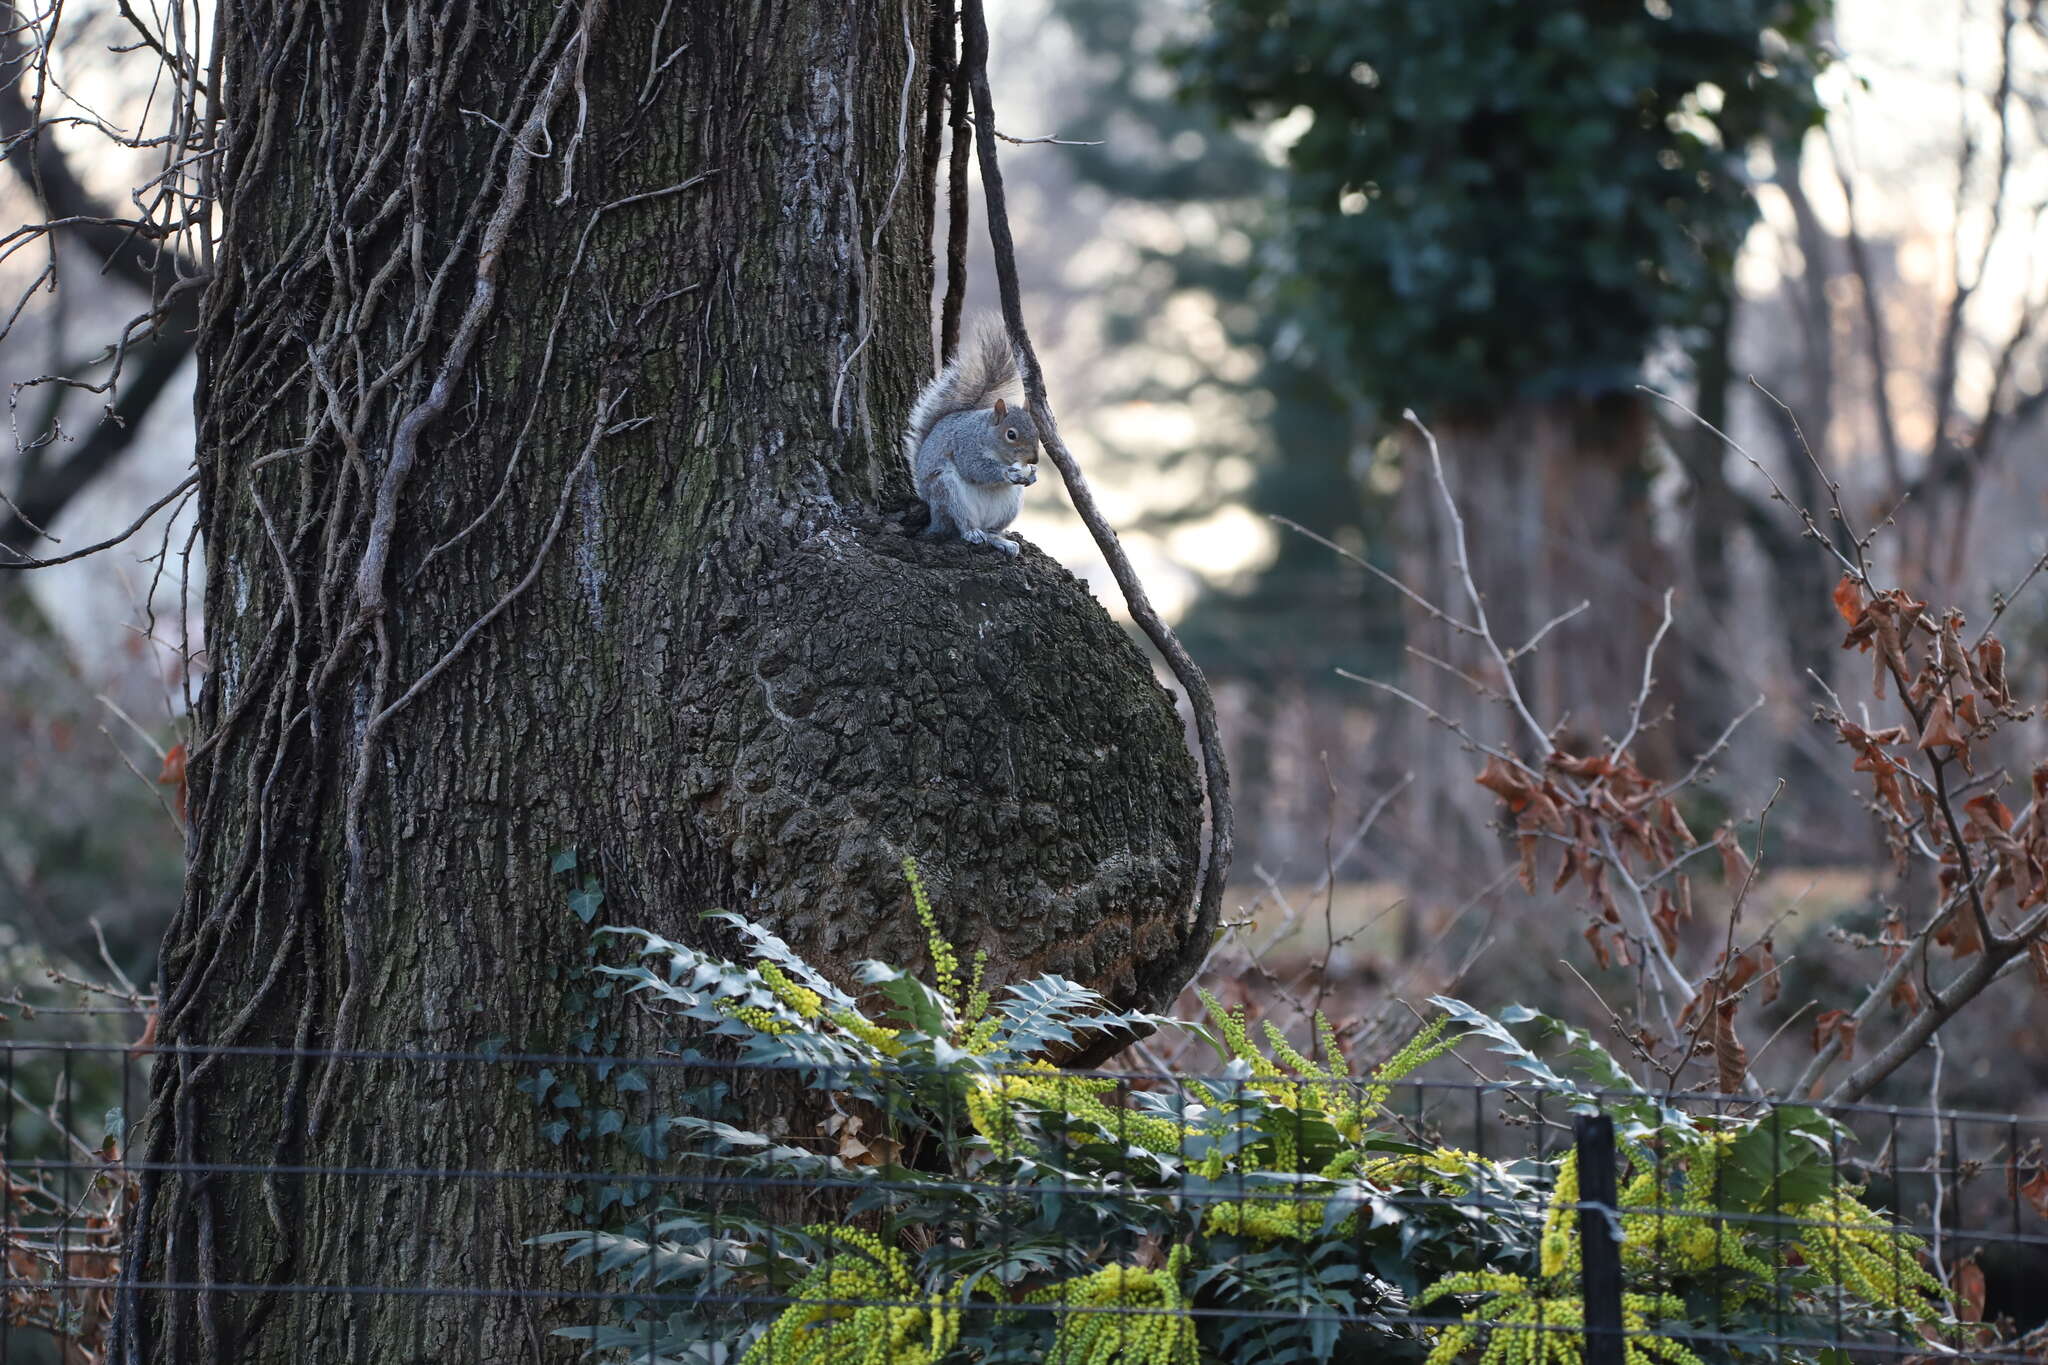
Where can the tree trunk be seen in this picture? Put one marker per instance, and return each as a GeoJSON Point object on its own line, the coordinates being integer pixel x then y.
{"type": "Point", "coordinates": [552, 372]}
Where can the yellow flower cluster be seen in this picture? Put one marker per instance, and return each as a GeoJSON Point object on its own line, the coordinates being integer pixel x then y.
{"type": "Point", "coordinates": [1328, 1086]}
{"type": "Point", "coordinates": [802, 999]}
{"type": "Point", "coordinates": [1521, 1326]}
{"type": "Point", "coordinates": [1560, 1243]}
{"type": "Point", "coordinates": [977, 994]}
{"type": "Point", "coordinates": [876, 1036]}
{"type": "Point", "coordinates": [1661, 1236]}
{"type": "Point", "coordinates": [1857, 1249]}
{"type": "Point", "coordinates": [977, 1026]}
{"type": "Point", "coordinates": [756, 1017]}
{"type": "Point", "coordinates": [945, 962]}
{"type": "Point", "coordinates": [1122, 1315]}
{"type": "Point", "coordinates": [809, 1008]}
{"type": "Point", "coordinates": [1273, 1220]}
{"type": "Point", "coordinates": [859, 1308]}
{"type": "Point", "coordinates": [979, 1038]}
{"type": "Point", "coordinates": [1687, 1236]}
{"type": "Point", "coordinates": [1447, 1170]}
{"type": "Point", "coordinates": [1046, 1087]}
{"type": "Point", "coordinates": [1849, 1245]}
{"type": "Point", "coordinates": [1425, 1047]}
{"type": "Point", "coordinates": [1703, 1170]}
{"type": "Point", "coordinates": [1230, 1023]}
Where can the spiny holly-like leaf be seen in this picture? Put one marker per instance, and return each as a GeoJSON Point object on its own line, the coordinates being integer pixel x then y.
{"type": "Point", "coordinates": [648, 1263]}
{"type": "Point", "coordinates": [1784, 1160]}
{"type": "Point", "coordinates": [919, 1008]}
{"type": "Point", "coordinates": [1050, 1011]}
{"type": "Point", "coordinates": [1505, 1043]}
{"type": "Point", "coordinates": [760, 1152]}
{"type": "Point", "coordinates": [772, 949]}
{"type": "Point", "coordinates": [1609, 1086]}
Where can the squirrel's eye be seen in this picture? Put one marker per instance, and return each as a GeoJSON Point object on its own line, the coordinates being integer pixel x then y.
{"type": "Point", "coordinates": [1010, 435]}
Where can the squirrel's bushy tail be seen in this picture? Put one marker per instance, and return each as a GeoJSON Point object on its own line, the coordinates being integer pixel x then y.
{"type": "Point", "coordinates": [979, 372]}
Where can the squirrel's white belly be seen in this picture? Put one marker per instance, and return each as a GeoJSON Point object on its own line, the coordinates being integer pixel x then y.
{"type": "Point", "coordinates": [990, 507]}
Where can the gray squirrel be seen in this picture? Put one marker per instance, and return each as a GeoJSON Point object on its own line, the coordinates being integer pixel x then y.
{"type": "Point", "coordinates": [973, 455]}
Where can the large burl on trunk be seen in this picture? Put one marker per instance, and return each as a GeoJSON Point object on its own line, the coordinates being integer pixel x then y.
{"type": "Point", "coordinates": [553, 365]}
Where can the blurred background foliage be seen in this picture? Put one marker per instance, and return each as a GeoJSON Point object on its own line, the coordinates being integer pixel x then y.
{"type": "Point", "coordinates": [1490, 202]}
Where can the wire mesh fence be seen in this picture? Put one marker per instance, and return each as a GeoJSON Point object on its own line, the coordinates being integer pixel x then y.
{"type": "Point", "coordinates": [643, 1209]}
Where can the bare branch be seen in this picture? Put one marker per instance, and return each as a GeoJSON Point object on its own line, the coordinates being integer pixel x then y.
{"type": "Point", "coordinates": [1033, 141]}
{"type": "Point", "coordinates": [1849, 566]}
{"type": "Point", "coordinates": [29, 562]}
{"type": "Point", "coordinates": [1464, 562]}
{"type": "Point", "coordinates": [1429, 608]}
{"type": "Point", "coordinates": [1635, 713]}
{"type": "Point", "coordinates": [1876, 339]}
{"type": "Point", "coordinates": [1529, 645]}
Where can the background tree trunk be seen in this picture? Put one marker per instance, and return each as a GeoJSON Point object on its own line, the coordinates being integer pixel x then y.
{"type": "Point", "coordinates": [550, 491]}
{"type": "Point", "coordinates": [1555, 498]}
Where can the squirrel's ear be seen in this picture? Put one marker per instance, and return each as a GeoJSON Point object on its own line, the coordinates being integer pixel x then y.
{"type": "Point", "coordinates": [1001, 408]}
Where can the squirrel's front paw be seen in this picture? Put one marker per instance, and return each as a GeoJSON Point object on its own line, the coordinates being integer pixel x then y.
{"type": "Point", "coordinates": [1023, 474]}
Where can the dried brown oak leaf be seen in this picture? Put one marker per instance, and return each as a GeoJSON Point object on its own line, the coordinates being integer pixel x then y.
{"type": "Point", "coordinates": [1735, 864]}
{"type": "Point", "coordinates": [173, 776]}
{"type": "Point", "coordinates": [1731, 1059]}
{"type": "Point", "coordinates": [1942, 732]}
{"type": "Point", "coordinates": [1839, 1025]}
{"type": "Point", "coordinates": [1849, 600]}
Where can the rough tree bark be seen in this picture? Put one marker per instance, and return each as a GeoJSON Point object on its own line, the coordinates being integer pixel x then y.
{"type": "Point", "coordinates": [551, 377]}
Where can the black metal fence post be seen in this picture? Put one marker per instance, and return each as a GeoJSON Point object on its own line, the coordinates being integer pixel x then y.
{"type": "Point", "coordinates": [1600, 1248]}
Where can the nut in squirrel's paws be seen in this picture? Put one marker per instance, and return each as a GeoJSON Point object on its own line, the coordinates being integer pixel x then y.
{"type": "Point", "coordinates": [1023, 475]}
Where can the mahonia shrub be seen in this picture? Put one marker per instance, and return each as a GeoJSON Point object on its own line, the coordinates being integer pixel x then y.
{"type": "Point", "coordinates": [992, 1207]}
